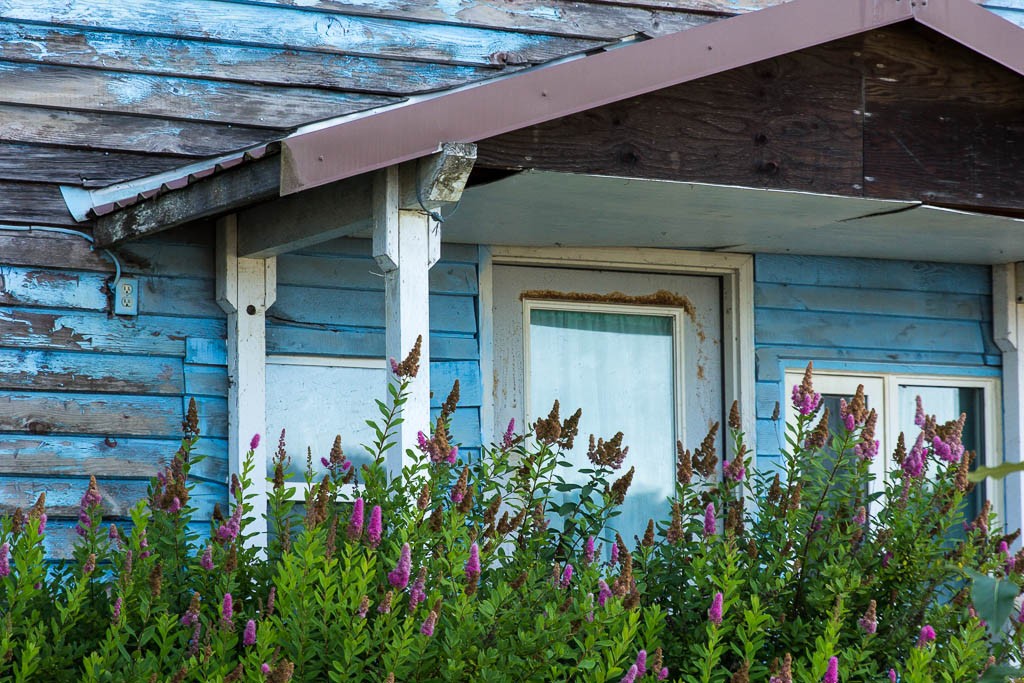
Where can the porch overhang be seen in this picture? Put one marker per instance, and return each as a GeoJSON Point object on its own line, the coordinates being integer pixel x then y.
{"type": "Point", "coordinates": [541, 208]}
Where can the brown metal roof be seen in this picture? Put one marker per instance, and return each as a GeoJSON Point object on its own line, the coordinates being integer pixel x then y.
{"type": "Point", "coordinates": [401, 133]}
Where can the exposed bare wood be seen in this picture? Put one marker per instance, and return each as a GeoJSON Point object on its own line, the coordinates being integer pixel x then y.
{"type": "Point", "coordinates": [161, 55]}
{"type": "Point", "coordinates": [33, 203]}
{"type": "Point", "coordinates": [48, 249]}
{"type": "Point", "coordinates": [286, 27]}
{"type": "Point", "coordinates": [558, 17]}
{"type": "Point", "coordinates": [715, 6]}
{"type": "Point", "coordinates": [220, 193]}
{"type": "Point", "coordinates": [90, 168]}
{"type": "Point", "coordinates": [790, 122]}
{"type": "Point", "coordinates": [123, 132]}
{"type": "Point", "coordinates": [305, 219]}
{"type": "Point", "coordinates": [437, 180]}
{"type": "Point", "coordinates": [162, 96]}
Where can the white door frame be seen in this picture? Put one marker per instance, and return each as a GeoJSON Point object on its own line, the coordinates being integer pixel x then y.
{"type": "Point", "coordinates": [735, 270]}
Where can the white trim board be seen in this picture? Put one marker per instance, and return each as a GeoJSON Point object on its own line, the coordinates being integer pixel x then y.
{"type": "Point", "coordinates": [735, 270]}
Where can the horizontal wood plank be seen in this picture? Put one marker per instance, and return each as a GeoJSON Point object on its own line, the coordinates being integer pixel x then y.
{"type": "Point", "coordinates": [557, 17]}
{"type": "Point", "coordinates": [84, 331]}
{"type": "Point", "coordinates": [859, 331]}
{"type": "Point", "coordinates": [46, 85]}
{"type": "Point", "coordinates": [357, 308]}
{"type": "Point", "coordinates": [286, 27]}
{"type": "Point", "coordinates": [45, 249]}
{"type": "Point", "coordinates": [918, 276]}
{"type": "Point", "coordinates": [324, 341]}
{"type": "Point", "coordinates": [63, 495]}
{"type": "Point", "coordinates": [364, 274]}
{"type": "Point", "coordinates": [124, 457]}
{"type": "Point", "coordinates": [125, 132]}
{"type": "Point", "coordinates": [160, 55]}
{"type": "Point", "coordinates": [114, 415]}
{"type": "Point", "coordinates": [772, 357]}
{"type": "Point", "coordinates": [33, 203]}
{"type": "Point", "coordinates": [89, 168]}
{"type": "Point", "coordinates": [89, 372]}
{"type": "Point", "coordinates": [152, 257]}
{"type": "Point", "coordinates": [882, 302]}
{"type": "Point", "coordinates": [205, 380]}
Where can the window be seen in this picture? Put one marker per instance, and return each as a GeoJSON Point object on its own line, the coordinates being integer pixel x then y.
{"type": "Point", "coordinates": [336, 397]}
{"type": "Point", "coordinates": [622, 366]}
{"type": "Point", "coordinates": [893, 396]}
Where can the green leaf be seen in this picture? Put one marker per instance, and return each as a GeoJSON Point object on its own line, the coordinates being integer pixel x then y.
{"type": "Point", "coordinates": [997, 472]}
{"type": "Point", "coordinates": [998, 673]}
{"type": "Point", "coordinates": [993, 599]}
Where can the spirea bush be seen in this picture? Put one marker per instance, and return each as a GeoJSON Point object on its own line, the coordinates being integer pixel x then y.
{"type": "Point", "coordinates": [506, 568]}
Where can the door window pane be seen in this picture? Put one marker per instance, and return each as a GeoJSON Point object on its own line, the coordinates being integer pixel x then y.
{"type": "Point", "coordinates": [619, 368]}
{"type": "Point", "coordinates": [947, 403]}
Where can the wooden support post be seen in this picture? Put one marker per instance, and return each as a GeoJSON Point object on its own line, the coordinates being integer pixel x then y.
{"type": "Point", "coordinates": [406, 243]}
{"type": "Point", "coordinates": [245, 289]}
{"type": "Point", "coordinates": [1008, 331]}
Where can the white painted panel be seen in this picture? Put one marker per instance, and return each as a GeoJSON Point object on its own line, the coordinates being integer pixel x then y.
{"type": "Point", "coordinates": [316, 402]}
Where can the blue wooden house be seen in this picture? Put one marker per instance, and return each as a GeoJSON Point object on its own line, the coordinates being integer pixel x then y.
{"type": "Point", "coordinates": [648, 209]}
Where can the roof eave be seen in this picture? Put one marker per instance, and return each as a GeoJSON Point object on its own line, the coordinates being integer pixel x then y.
{"type": "Point", "coordinates": [408, 132]}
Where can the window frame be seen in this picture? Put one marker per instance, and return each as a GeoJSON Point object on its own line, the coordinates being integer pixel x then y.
{"type": "Point", "coordinates": [844, 382]}
{"type": "Point", "coordinates": [677, 316]}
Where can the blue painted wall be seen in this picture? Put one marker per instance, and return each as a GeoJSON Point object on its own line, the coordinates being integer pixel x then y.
{"type": "Point", "coordinates": [866, 315]}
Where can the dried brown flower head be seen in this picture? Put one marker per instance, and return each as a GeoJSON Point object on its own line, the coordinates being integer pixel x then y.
{"type": "Point", "coordinates": [620, 486]}
{"type": "Point", "coordinates": [570, 429]}
{"type": "Point", "coordinates": [962, 469]}
{"type": "Point", "coordinates": [191, 424]}
{"type": "Point", "coordinates": [684, 464]}
{"type": "Point", "coordinates": [734, 416]}
{"type": "Point", "coordinates": [437, 519]}
{"type": "Point", "coordinates": [450, 403]}
{"type": "Point", "coordinates": [648, 539]}
{"type": "Point", "coordinates": [156, 579]}
{"type": "Point", "coordinates": [607, 453]}
{"type": "Point", "coordinates": [282, 673]}
{"type": "Point", "coordinates": [423, 502]}
{"type": "Point", "coordinates": [492, 510]}
{"type": "Point", "coordinates": [675, 528]}
{"type": "Point", "coordinates": [775, 491]}
{"type": "Point", "coordinates": [775, 412]}
{"type": "Point", "coordinates": [741, 675]}
{"type": "Point", "coordinates": [900, 454]}
{"type": "Point", "coordinates": [549, 429]}
{"type": "Point", "coordinates": [819, 435]}
{"type": "Point", "coordinates": [466, 504]}
{"type": "Point", "coordinates": [408, 368]}
{"type": "Point", "coordinates": [705, 458]}
{"type": "Point", "coordinates": [518, 582]}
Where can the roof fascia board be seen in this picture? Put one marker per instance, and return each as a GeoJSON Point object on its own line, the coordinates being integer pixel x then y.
{"type": "Point", "coordinates": [408, 132]}
{"type": "Point", "coordinates": [975, 27]}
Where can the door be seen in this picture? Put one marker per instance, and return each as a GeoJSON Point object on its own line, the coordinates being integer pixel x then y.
{"type": "Point", "coordinates": [639, 353]}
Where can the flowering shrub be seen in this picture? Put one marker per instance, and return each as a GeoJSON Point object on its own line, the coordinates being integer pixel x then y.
{"type": "Point", "coordinates": [806, 576]}
{"type": "Point", "coordinates": [488, 571]}
{"type": "Point", "coordinates": [444, 572]}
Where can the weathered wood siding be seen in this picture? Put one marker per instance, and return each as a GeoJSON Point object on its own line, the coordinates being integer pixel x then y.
{"type": "Point", "coordinates": [865, 315]}
{"type": "Point", "coordinates": [83, 392]}
{"type": "Point", "coordinates": [330, 302]}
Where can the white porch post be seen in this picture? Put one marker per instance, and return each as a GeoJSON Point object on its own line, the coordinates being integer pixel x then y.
{"type": "Point", "coordinates": [406, 243]}
{"type": "Point", "coordinates": [246, 287]}
{"type": "Point", "coordinates": [1008, 329]}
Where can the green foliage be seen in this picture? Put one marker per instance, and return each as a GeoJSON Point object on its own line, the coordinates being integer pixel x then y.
{"type": "Point", "coordinates": [488, 571]}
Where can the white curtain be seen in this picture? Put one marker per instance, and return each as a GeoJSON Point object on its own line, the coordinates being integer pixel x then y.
{"type": "Point", "coordinates": [619, 368]}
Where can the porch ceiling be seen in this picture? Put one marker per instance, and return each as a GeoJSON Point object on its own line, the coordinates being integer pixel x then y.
{"type": "Point", "coordinates": [541, 208]}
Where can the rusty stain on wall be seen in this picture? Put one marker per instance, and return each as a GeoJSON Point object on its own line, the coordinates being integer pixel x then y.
{"type": "Point", "coordinates": [662, 297]}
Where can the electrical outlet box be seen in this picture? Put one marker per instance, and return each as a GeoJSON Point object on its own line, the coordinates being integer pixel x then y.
{"type": "Point", "coordinates": [126, 297]}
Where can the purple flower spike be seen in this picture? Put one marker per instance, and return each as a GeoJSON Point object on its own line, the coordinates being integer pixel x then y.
{"type": "Point", "coordinates": [473, 564]}
{"type": "Point", "coordinates": [892, 672]}
{"type": "Point", "coordinates": [399, 577]}
{"type": "Point", "coordinates": [715, 611]}
{"type": "Point", "coordinates": [429, 623]}
{"type": "Point", "coordinates": [641, 663]}
{"type": "Point", "coordinates": [255, 443]}
{"type": "Point", "coordinates": [5, 560]}
{"type": "Point", "coordinates": [394, 366]}
{"type": "Point", "coordinates": [710, 524]}
{"type": "Point", "coordinates": [117, 609]}
{"type": "Point", "coordinates": [227, 610]}
{"type": "Point", "coordinates": [604, 592]}
{"type": "Point", "coordinates": [418, 592]}
{"type": "Point", "coordinates": [663, 674]}
{"type": "Point", "coordinates": [508, 438]}
{"type": "Point", "coordinates": [375, 529]}
{"type": "Point", "coordinates": [927, 635]}
{"type": "Point", "coordinates": [589, 550]}
{"type": "Point", "coordinates": [42, 523]}
{"type": "Point", "coordinates": [615, 553]}
{"type": "Point", "coordinates": [630, 676]}
{"type": "Point", "coordinates": [206, 561]}
{"type": "Point", "coordinates": [832, 673]}
{"type": "Point", "coordinates": [249, 635]}
{"type": "Point", "coordinates": [355, 522]}
{"type": "Point", "coordinates": [566, 576]}
{"type": "Point", "coordinates": [453, 455]}
{"type": "Point", "coordinates": [264, 667]}
{"type": "Point", "coordinates": [919, 420]}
